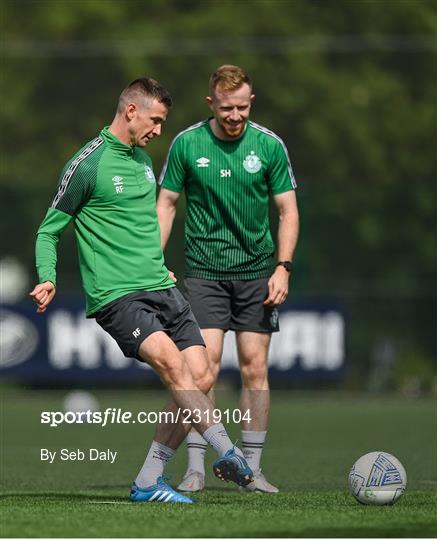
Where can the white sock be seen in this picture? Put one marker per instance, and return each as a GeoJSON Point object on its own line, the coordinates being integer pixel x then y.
{"type": "Point", "coordinates": [218, 438]}
{"type": "Point", "coordinates": [157, 458]}
{"type": "Point", "coordinates": [253, 444]}
{"type": "Point", "coordinates": [196, 446]}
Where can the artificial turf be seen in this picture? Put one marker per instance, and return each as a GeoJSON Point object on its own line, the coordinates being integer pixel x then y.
{"type": "Point", "coordinates": [313, 441]}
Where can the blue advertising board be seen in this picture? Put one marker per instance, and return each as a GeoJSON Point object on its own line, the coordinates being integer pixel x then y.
{"type": "Point", "coordinates": [62, 345]}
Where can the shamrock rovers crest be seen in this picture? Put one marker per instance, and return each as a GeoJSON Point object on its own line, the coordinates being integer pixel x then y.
{"type": "Point", "coordinates": [252, 163]}
{"type": "Point", "coordinates": [274, 318]}
{"type": "Point", "coordinates": [148, 171]}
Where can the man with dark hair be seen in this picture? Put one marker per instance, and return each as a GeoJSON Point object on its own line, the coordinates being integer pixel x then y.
{"type": "Point", "coordinates": [229, 167]}
{"type": "Point", "coordinates": [146, 89]}
{"type": "Point", "coordinates": [108, 191]}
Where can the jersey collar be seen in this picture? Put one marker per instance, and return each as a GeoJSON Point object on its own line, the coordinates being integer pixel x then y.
{"type": "Point", "coordinates": [115, 143]}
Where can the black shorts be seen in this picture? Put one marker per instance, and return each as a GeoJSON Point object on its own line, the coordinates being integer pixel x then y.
{"type": "Point", "coordinates": [232, 305]}
{"type": "Point", "coordinates": [132, 318]}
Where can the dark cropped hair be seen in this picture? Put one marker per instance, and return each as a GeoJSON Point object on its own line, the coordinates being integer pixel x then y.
{"type": "Point", "coordinates": [145, 88]}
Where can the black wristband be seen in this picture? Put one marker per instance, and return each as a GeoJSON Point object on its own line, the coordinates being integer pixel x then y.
{"type": "Point", "coordinates": [285, 264]}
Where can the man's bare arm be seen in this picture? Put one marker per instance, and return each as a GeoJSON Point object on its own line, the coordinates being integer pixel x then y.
{"type": "Point", "coordinates": [288, 233]}
{"type": "Point", "coordinates": [166, 210]}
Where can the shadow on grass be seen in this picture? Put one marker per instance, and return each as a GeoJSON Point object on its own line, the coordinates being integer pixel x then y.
{"type": "Point", "coordinates": [107, 486]}
{"type": "Point", "coordinates": [67, 497]}
{"type": "Point", "coordinates": [231, 488]}
{"type": "Point", "coordinates": [416, 530]}
{"type": "Point", "coordinates": [43, 496]}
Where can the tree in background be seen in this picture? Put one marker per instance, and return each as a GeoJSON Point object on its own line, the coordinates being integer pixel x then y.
{"type": "Point", "coordinates": [349, 85]}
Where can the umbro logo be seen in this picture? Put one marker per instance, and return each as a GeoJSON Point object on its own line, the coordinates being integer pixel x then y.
{"type": "Point", "coordinates": [118, 184]}
{"type": "Point", "coordinates": [202, 162]}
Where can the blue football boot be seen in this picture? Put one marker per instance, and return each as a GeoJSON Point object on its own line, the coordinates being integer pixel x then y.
{"type": "Point", "coordinates": [159, 492]}
{"type": "Point", "coordinates": [233, 467]}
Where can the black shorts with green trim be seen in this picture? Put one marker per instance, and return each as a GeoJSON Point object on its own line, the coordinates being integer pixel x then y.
{"type": "Point", "coordinates": [232, 305]}
{"type": "Point", "coordinates": [135, 316]}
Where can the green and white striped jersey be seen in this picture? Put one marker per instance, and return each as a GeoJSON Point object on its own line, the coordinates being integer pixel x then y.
{"type": "Point", "coordinates": [108, 191]}
{"type": "Point", "coordinates": [227, 186]}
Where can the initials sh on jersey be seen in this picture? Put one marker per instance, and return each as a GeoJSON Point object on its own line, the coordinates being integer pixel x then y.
{"type": "Point", "coordinates": [228, 184]}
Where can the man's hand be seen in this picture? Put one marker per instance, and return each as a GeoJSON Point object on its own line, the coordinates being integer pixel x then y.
{"type": "Point", "coordinates": [278, 287]}
{"type": "Point", "coordinates": [43, 294]}
{"type": "Point", "coordinates": [173, 277]}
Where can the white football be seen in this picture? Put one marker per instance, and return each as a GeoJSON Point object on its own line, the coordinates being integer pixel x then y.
{"type": "Point", "coordinates": [377, 478]}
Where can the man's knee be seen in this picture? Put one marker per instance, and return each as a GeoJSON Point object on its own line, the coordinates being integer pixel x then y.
{"type": "Point", "coordinates": [204, 379]}
{"type": "Point", "coordinates": [168, 363]}
{"type": "Point", "coordinates": [254, 374]}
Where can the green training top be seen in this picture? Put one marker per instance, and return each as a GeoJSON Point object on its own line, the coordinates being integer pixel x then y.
{"type": "Point", "coordinates": [227, 185]}
{"type": "Point", "coordinates": [108, 190]}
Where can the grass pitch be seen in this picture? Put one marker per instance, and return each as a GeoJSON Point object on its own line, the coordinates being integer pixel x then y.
{"type": "Point", "coordinates": [312, 443]}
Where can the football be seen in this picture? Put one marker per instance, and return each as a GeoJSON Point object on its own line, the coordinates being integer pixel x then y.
{"type": "Point", "coordinates": [377, 478]}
